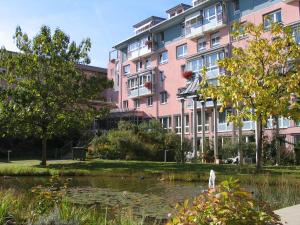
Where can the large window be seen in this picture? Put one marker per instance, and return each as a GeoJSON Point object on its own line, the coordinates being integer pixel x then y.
{"type": "Point", "coordinates": [273, 17]}
{"type": "Point", "coordinates": [296, 34]}
{"type": "Point", "coordinates": [181, 51]}
{"type": "Point", "coordinates": [163, 97]}
{"type": "Point", "coordinates": [166, 123]}
{"type": "Point", "coordinates": [178, 124]}
{"type": "Point", "coordinates": [199, 122]}
{"type": "Point", "coordinates": [213, 13]}
{"type": "Point", "coordinates": [163, 57]}
{"type": "Point", "coordinates": [195, 65]}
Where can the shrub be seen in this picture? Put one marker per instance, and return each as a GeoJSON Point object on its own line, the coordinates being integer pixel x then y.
{"type": "Point", "coordinates": [146, 141]}
{"type": "Point", "coordinates": [229, 204]}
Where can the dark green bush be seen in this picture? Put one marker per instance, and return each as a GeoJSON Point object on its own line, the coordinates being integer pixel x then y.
{"type": "Point", "coordinates": [147, 141]}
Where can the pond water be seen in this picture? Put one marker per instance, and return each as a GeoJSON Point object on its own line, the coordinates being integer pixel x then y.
{"type": "Point", "coordinates": [145, 197]}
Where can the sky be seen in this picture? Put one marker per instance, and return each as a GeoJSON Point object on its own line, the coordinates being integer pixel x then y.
{"type": "Point", "coordinates": [106, 22]}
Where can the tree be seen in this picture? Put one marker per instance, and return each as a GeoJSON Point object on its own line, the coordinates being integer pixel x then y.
{"type": "Point", "coordinates": [260, 77]}
{"type": "Point", "coordinates": [43, 92]}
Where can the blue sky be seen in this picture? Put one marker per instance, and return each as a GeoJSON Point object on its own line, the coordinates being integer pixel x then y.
{"type": "Point", "coordinates": [106, 22]}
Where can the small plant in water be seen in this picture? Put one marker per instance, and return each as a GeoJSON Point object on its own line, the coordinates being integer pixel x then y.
{"type": "Point", "coordinates": [229, 204]}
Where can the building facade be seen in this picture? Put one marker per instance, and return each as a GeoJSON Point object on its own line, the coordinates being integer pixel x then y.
{"type": "Point", "coordinates": [149, 75]}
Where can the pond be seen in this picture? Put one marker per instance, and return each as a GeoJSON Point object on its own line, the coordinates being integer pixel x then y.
{"type": "Point", "coordinates": [147, 196]}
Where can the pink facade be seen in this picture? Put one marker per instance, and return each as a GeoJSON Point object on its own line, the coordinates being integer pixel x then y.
{"type": "Point", "coordinates": [182, 28]}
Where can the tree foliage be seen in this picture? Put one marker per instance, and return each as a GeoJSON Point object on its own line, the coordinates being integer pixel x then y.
{"type": "Point", "coordinates": [43, 92]}
{"type": "Point", "coordinates": [261, 77]}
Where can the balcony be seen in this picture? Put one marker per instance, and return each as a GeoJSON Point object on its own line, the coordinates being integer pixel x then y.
{"type": "Point", "coordinates": [225, 127]}
{"type": "Point", "coordinates": [248, 125]}
{"type": "Point", "coordinates": [141, 85]}
{"type": "Point", "coordinates": [140, 52]}
{"type": "Point", "coordinates": [199, 29]}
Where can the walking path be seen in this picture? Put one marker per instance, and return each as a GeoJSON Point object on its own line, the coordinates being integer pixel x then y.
{"type": "Point", "coordinates": [290, 215]}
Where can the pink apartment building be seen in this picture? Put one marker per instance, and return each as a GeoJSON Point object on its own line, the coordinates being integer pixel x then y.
{"type": "Point", "coordinates": [148, 67]}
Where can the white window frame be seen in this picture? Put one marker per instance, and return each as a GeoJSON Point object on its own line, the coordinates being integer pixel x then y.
{"type": "Point", "coordinates": [201, 44]}
{"type": "Point", "coordinates": [148, 63]}
{"type": "Point", "coordinates": [177, 125]}
{"type": "Point", "coordinates": [125, 104]}
{"type": "Point", "coordinates": [126, 69]}
{"type": "Point", "coordinates": [168, 121]}
{"type": "Point", "coordinates": [137, 103]}
{"type": "Point", "coordinates": [150, 102]}
{"type": "Point", "coordinates": [199, 124]}
{"type": "Point", "coordinates": [272, 17]}
{"type": "Point", "coordinates": [162, 59]}
{"type": "Point", "coordinates": [181, 51]}
{"type": "Point", "coordinates": [163, 97]}
{"type": "Point", "coordinates": [215, 40]}
{"type": "Point", "coordinates": [187, 124]}
{"type": "Point", "coordinates": [139, 66]}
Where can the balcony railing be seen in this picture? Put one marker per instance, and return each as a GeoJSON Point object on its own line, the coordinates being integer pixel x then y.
{"type": "Point", "coordinates": [200, 28]}
{"type": "Point", "coordinates": [141, 89]}
{"type": "Point", "coordinates": [140, 52]}
{"type": "Point", "coordinates": [225, 127]}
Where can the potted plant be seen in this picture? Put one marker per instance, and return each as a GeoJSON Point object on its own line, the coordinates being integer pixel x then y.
{"type": "Point", "coordinates": [187, 74]}
{"type": "Point", "coordinates": [148, 85]}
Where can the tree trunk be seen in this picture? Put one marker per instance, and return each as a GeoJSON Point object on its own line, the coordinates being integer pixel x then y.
{"type": "Point", "coordinates": [258, 134]}
{"type": "Point", "coordinates": [44, 150]}
{"type": "Point", "coordinates": [277, 145]}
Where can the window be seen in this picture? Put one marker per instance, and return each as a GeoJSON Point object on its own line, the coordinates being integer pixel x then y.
{"type": "Point", "coordinates": [199, 122]}
{"type": "Point", "coordinates": [163, 57]}
{"type": "Point", "coordinates": [238, 32]}
{"type": "Point", "coordinates": [139, 66]}
{"type": "Point", "coordinates": [236, 5]}
{"type": "Point", "coordinates": [181, 51]}
{"type": "Point", "coordinates": [162, 76]}
{"type": "Point", "coordinates": [215, 40]}
{"type": "Point", "coordinates": [177, 124]}
{"type": "Point", "coordinates": [148, 63]}
{"type": "Point", "coordinates": [150, 101]}
{"type": "Point", "coordinates": [136, 103]}
{"type": "Point", "coordinates": [182, 68]}
{"type": "Point", "coordinates": [297, 123]}
{"type": "Point", "coordinates": [125, 104]}
{"type": "Point", "coordinates": [201, 44]}
{"type": "Point", "coordinates": [223, 116]}
{"type": "Point", "coordinates": [166, 123]}
{"type": "Point", "coordinates": [195, 65]}
{"type": "Point", "coordinates": [273, 17]}
{"type": "Point", "coordinates": [163, 97]}
{"type": "Point", "coordinates": [187, 124]}
{"type": "Point", "coordinates": [296, 34]}
{"type": "Point", "coordinates": [126, 69]}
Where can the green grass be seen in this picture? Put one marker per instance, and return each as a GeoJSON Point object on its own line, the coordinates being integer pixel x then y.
{"type": "Point", "coordinates": [171, 171]}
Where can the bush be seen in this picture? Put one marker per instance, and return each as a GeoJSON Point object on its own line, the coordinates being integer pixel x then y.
{"type": "Point", "coordinates": [147, 141]}
{"type": "Point", "coordinates": [229, 204]}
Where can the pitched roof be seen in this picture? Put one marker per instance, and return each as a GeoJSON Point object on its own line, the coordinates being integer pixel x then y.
{"type": "Point", "coordinates": [149, 19]}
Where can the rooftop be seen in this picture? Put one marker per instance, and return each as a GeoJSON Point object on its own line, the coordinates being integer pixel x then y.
{"type": "Point", "coordinates": [156, 19]}
{"type": "Point", "coordinates": [179, 6]}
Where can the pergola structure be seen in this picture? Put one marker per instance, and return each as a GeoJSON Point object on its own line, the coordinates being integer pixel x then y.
{"type": "Point", "coordinates": [191, 91]}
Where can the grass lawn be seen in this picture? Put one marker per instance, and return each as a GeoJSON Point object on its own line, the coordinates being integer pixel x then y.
{"type": "Point", "coordinates": [171, 171]}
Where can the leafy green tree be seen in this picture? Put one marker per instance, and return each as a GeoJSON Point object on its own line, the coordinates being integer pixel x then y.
{"type": "Point", "coordinates": [260, 78]}
{"type": "Point", "coordinates": [43, 92]}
